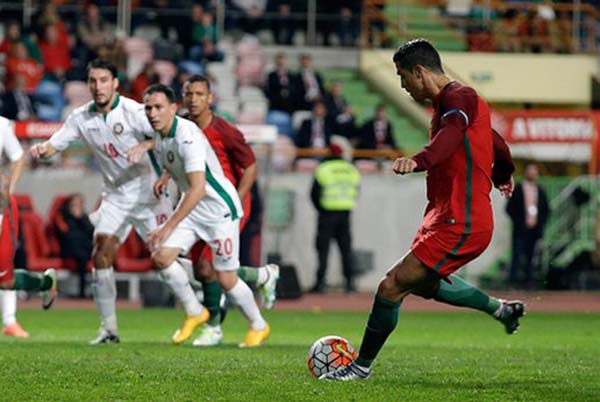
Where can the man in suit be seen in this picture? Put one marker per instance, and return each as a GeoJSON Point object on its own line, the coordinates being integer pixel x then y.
{"type": "Point", "coordinates": [315, 131]}
{"type": "Point", "coordinates": [17, 104]}
{"type": "Point", "coordinates": [528, 210]}
{"type": "Point", "coordinates": [308, 84]}
{"type": "Point", "coordinates": [278, 87]}
{"type": "Point", "coordinates": [377, 132]}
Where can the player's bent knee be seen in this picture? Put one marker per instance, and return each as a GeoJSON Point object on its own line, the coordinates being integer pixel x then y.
{"type": "Point", "coordinates": [105, 250]}
{"type": "Point", "coordinates": [227, 279]}
{"type": "Point", "coordinates": [162, 259]}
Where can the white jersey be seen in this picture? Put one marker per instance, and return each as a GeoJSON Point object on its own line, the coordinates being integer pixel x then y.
{"type": "Point", "coordinates": [10, 148]}
{"type": "Point", "coordinates": [186, 150]}
{"type": "Point", "coordinates": [109, 137]}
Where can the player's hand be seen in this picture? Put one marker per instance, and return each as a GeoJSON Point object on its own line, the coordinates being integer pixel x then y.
{"type": "Point", "coordinates": [507, 189]}
{"type": "Point", "coordinates": [40, 150]}
{"type": "Point", "coordinates": [160, 186]}
{"type": "Point", "coordinates": [158, 236]}
{"type": "Point", "coordinates": [404, 165]}
{"type": "Point", "coordinates": [135, 154]}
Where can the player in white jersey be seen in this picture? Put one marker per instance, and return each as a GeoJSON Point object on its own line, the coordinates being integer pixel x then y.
{"type": "Point", "coordinates": [111, 125]}
{"type": "Point", "coordinates": [10, 278]}
{"type": "Point", "coordinates": [209, 210]}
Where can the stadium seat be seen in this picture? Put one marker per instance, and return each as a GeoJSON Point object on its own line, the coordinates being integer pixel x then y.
{"type": "Point", "coordinates": [284, 153]}
{"type": "Point", "coordinates": [166, 70]}
{"type": "Point", "coordinates": [250, 117]}
{"type": "Point", "coordinates": [37, 248]}
{"type": "Point", "coordinates": [191, 67]}
{"type": "Point", "coordinates": [51, 101]}
{"type": "Point", "coordinates": [282, 120]}
{"type": "Point", "coordinates": [77, 93]}
{"type": "Point", "coordinates": [147, 31]}
{"type": "Point", "coordinates": [133, 255]}
{"type": "Point", "coordinates": [54, 220]}
{"type": "Point", "coordinates": [24, 202]}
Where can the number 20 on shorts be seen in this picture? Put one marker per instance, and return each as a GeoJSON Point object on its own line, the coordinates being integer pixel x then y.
{"type": "Point", "coordinates": [224, 247]}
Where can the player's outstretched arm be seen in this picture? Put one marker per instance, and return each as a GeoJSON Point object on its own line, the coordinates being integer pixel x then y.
{"type": "Point", "coordinates": [134, 155]}
{"type": "Point", "coordinates": [503, 166]}
{"type": "Point", "coordinates": [43, 150]}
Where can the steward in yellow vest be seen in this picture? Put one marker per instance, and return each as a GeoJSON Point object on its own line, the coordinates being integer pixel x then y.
{"type": "Point", "coordinates": [334, 192]}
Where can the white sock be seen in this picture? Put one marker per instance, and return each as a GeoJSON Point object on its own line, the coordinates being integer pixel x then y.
{"type": "Point", "coordinates": [263, 275]}
{"type": "Point", "coordinates": [188, 267]}
{"type": "Point", "coordinates": [174, 276]}
{"type": "Point", "coordinates": [105, 295]}
{"type": "Point", "coordinates": [243, 297]}
{"type": "Point", "coordinates": [9, 307]}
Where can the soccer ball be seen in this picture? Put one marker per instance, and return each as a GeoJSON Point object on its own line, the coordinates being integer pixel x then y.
{"type": "Point", "coordinates": [328, 354]}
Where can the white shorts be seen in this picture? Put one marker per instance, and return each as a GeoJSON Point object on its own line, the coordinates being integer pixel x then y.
{"type": "Point", "coordinates": [223, 238]}
{"type": "Point", "coordinates": [118, 219]}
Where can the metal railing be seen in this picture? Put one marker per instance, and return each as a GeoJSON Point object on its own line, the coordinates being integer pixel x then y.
{"type": "Point", "coordinates": [571, 226]}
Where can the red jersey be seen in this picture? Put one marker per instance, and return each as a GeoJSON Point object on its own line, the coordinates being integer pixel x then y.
{"type": "Point", "coordinates": [459, 161]}
{"type": "Point", "coordinates": [231, 148]}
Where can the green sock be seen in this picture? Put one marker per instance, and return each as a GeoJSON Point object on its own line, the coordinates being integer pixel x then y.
{"type": "Point", "coordinates": [212, 300]}
{"type": "Point", "coordinates": [25, 280]}
{"type": "Point", "coordinates": [382, 321]}
{"type": "Point", "coordinates": [248, 275]}
{"type": "Point", "coordinates": [462, 293]}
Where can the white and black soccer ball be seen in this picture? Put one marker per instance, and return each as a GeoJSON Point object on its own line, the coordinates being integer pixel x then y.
{"type": "Point", "coordinates": [328, 354]}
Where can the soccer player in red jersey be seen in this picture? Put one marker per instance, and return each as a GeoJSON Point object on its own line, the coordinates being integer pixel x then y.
{"type": "Point", "coordinates": [463, 158]}
{"type": "Point", "coordinates": [11, 278]}
{"type": "Point", "coordinates": [239, 165]}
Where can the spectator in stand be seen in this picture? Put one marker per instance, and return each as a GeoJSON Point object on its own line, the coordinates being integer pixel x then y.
{"type": "Point", "coordinates": [283, 25]}
{"type": "Point", "coordinates": [144, 79]}
{"type": "Point", "coordinates": [92, 32]}
{"type": "Point", "coordinates": [377, 133]}
{"type": "Point", "coordinates": [20, 64]}
{"type": "Point", "coordinates": [348, 23]}
{"type": "Point", "coordinates": [316, 131]}
{"type": "Point", "coordinates": [250, 14]}
{"type": "Point", "coordinates": [14, 36]}
{"type": "Point", "coordinates": [278, 88]}
{"type": "Point", "coordinates": [57, 59]}
{"type": "Point", "coordinates": [116, 54]}
{"type": "Point", "coordinates": [308, 84]}
{"type": "Point", "coordinates": [75, 236]}
{"type": "Point", "coordinates": [528, 209]}
{"type": "Point", "coordinates": [49, 16]}
{"type": "Point", "coordinates": [203, 30]}
{"type": "Point", "coordinates": [339, 112]}
{"type": "Point", "coordinates": [207, 53]}
{"type": "Point", "coordinates": [17, 104]}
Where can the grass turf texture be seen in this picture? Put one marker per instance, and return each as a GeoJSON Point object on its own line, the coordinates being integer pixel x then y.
{"type": "Point", "coordinates": [430, 357]}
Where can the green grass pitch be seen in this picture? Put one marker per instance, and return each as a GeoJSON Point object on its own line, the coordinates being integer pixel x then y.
{"type": "Point", "coordinates": [430, 357]}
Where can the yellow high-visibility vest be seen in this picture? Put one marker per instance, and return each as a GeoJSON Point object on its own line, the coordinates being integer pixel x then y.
{"type": "Point", "coordinates": [339, 181]}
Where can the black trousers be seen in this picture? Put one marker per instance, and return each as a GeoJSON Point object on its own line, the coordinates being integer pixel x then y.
{"type": "Point", "coordinates": [523, 247]}
{"type": "Point", "coordinates": [334, 225]}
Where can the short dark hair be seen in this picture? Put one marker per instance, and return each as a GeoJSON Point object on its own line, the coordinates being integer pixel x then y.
{"type": "Point", "coordinates": [160, 88]}
{"type": "Point", "coordinates": [198, 78]}
{"type": "Point", "coordinates": [103, 64]}
{"type": "Point", "coordinates": [418, 52]}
